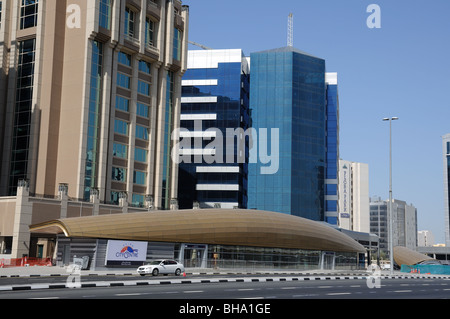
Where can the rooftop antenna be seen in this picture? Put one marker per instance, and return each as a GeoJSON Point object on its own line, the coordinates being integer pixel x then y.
{"type": "Point", "coordinates": [290, 39]}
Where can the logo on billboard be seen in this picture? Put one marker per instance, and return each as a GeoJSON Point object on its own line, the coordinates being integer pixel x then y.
{"type": "Point", "coordinates": [128, 252]}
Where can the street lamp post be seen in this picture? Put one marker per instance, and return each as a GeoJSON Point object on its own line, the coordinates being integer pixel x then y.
{"type": "Point", "coordinates": [391, 220]}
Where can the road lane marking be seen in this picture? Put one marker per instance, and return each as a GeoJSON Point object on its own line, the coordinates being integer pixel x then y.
{"type": "Point", "coordinates": [339, 293]}
{"type": "Point", "coordinates": [193, 291]}
{"type": "Point", "coordinates": [246, 289]}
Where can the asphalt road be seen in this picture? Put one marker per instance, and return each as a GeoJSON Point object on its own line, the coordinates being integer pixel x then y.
{"type": "Point", "coordinates": [287, 289]}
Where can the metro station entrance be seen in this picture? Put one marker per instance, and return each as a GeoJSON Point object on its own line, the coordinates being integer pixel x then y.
{"type": "Point", "coordinates": [328, 260]}
{"type": "Point", "coordinates": [194, 255]}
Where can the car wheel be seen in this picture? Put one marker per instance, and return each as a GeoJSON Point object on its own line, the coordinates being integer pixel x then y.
{"type": "Point", "coordinates": [155, 272]}
{"type": "Point", "coordinates": [178, 272]}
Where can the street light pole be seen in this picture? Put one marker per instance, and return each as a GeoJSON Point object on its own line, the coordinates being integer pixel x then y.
{"type": "Point", "coordinates": [391, 219]}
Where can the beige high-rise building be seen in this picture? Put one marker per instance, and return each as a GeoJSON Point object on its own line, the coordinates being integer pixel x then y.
{"type": "Point", "coordinates": [90, 92]}
{"type": "Point", "coordinates": [354, 206]}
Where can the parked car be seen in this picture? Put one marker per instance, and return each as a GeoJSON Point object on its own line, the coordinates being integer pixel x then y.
{"type": "Point", "coordinates": [161, 266]}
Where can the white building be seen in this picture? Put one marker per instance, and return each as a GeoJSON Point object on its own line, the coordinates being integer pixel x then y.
{"type": "Point", "coordinates": [425, 238]}
{"type": "Point", "coordinates": [354, 207]}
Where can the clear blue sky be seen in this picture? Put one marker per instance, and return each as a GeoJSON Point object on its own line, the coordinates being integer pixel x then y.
{"type": "Point", "coordinates": [401, 69]}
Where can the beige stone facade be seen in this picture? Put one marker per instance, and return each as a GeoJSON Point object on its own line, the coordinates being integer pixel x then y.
{"type": "Point", "coordinates": [90, 91]}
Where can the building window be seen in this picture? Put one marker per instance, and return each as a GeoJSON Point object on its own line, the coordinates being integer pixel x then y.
{"type": "Point", "coordinates": [141, 132]}
{"type": "Point", "coordinates": [28, 14]}
{"type": "Point", "coordinates": [122, 103]}
{"type": "Point", "coordinates": [105, 14]}
{"type": "Point", "coordinates": [22, 114]}
{"type": "Point", "coordinates": [143, 88]}
{"type": "Point", "coordinates": [115, 197]}
{"type": "Point", "coordinates": [137, 200]}
{"type": "Point", "coordinates": [120, 150]}
{"type": "Point", "coordinates": [120, 127]}
{"type": "Point", "coordinates": [139, 177]}
{"type": "Point", "coordinates": [142, 110]}
{"type": "Point", "coordinates": [144, 67]}
{"type": "Point", "coordinates": [150, 35]}
{"type": "Point", "coordinates": [177, 35]}
{"type": "Point", "coordinates": [95, 102]}
{"type": "Point", "coordinates": [124, 58]}
{"type": "Point", "coordinates": [140, 155]}
{"type": "Point", "coordinates": [119, 174]}
{"type": "Point", "coordinates": [123, 81]}
{"type": "Point", "coordinates": [130, 22]}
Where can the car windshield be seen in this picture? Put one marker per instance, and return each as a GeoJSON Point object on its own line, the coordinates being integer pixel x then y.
{"type": "Point", "coordinates": [155, 262]}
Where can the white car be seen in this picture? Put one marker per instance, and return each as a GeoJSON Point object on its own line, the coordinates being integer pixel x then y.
{"type": "Point", "coordinates": [161, 266]}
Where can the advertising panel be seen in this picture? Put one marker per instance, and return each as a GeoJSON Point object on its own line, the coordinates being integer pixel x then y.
{"type": "Point", "coordinates": [125, 253]}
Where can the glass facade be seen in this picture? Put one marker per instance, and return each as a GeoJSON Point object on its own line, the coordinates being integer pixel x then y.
{"type": "Point", "coordinates": [168, 128]}
{"type": "Point", "coordinates": [222, 181]}
{"type": "Point", "coordinates": [140, 132]}
{"type": "Point", "coordinates": [246, 257]}
{"type": "Point", "coordinates": [288, 92]}
{"type": "Point", "coordinates": [95, 102]}
{"type": "Point", "coordinates": [22, 114]}
{"type": "Point", "coordinates": [332, 154]}
{"type": "Point", "coordinates": [260, 257]}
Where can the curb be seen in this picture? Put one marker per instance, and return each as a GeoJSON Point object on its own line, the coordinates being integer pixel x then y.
{"type": "Point", "coordinates": [196, 281]}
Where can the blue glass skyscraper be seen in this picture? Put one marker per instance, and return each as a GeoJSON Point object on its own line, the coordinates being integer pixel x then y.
{"type": "Point", "coordinates": [215, 97]}
{"type": "Point", "coordinates": [332, 149]}
{"type": "Point", "coordinates": [288, 92]}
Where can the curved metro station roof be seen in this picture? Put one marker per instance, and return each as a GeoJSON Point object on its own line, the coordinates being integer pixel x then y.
{"type": "Point", "coordinates": [207, 226]}
{"type": "Point", "coordinates": [406, 256]}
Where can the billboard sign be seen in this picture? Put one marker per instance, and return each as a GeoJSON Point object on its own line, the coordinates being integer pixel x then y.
{"type": "Point", "coordinates": [125, 253]}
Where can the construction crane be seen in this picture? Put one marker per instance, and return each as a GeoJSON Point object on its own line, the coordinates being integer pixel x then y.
{"type": "Point", "coordinates": [200, 45]}
{"type": "Point", "coordinates": [290, 38]}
